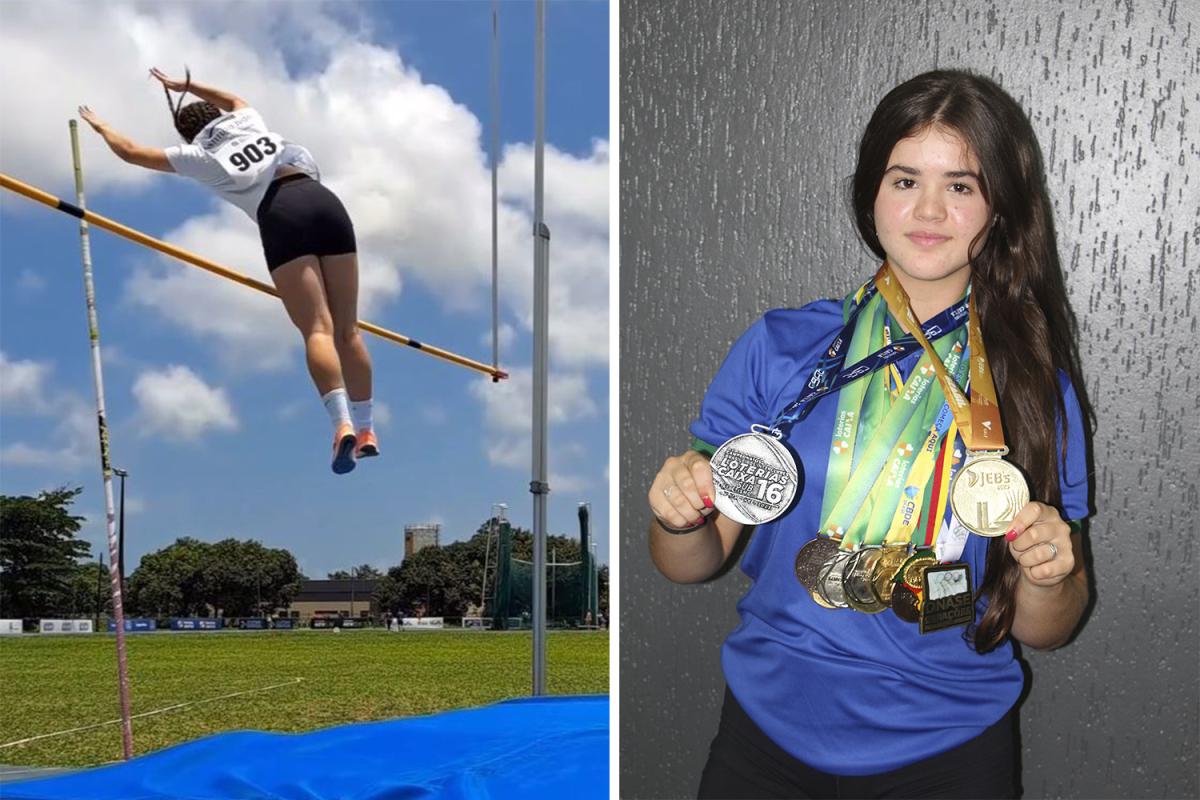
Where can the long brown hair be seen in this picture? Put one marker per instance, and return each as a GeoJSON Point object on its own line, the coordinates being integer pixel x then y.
{"type": "Point", "coordinates": [1029, 329]}
{"type": "Point", "coordinates": [190, 119]}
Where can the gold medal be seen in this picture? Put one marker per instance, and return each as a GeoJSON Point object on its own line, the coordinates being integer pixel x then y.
{"type": "Point", "coordinates": [883, 577]}
{"type": "Point", "coordinates": [913, 571]}
{"type": "Point", "coordinates": [987, 493]}
{"type": "Point", "coordinates": [816, 596]}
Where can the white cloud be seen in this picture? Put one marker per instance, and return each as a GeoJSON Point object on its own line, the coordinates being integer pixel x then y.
{"type": "Point", "coordinates": [29, 282]}
{"type": "Point", "coordinates": [180, 406]}
{"type": "Point", "coordinates": [435, 415]}
{"type": "Point", "coordinates": [381, 414]}
{"type": "Point", "coordinates": [23, 385]}
{"type": "Point", "coordinates": [508, 411]}
{"type": "Point", "coordinates": [505, 334]}
{"type": "Point", "coordinates": [567, 482]}
{"type": "Point", "coordinates": [71, 444]}
{"type": "Point", "coordinates": [406, 159]}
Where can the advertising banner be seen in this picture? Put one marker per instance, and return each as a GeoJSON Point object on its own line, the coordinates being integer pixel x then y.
{"type": "Point", "coordinates": [9, 626]}
{"type": "Point", "coordinates": [134, 625]}
{"type": "Point", "coordinates": [65, 626]}
{"type": "Point", "coordinates": [422, 622]}
{"type": "Point", "coordinates": [197, 623]}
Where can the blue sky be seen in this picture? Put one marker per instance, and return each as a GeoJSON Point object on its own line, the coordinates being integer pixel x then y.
{"type": "Point", "coordinates": [210, 408]}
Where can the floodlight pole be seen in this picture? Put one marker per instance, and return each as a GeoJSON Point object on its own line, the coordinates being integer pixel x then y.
{"type": "Point", "coordinates": [114, 568]}
{"type": "Point", "coordinates": [498, 510]}
{"type": "Point", "coordinates": [541, 317]}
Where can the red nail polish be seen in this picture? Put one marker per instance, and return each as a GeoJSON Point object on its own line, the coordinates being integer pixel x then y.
{"type": "Point", "coordinates": [699, 521]}
{"type": "Point", "coordinates": [708, 503]}
{"type": "Point", "coordinates": [1010, 535]}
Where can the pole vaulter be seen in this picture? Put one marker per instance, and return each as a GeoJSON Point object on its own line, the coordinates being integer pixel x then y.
{"type": "Point", "coordinates": [33, 193]}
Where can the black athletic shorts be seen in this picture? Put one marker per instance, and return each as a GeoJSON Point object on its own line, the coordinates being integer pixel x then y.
{"type": "Point", "coordinates": [743, 762]}
{"type": "Point", "coordinates": [300, 217]}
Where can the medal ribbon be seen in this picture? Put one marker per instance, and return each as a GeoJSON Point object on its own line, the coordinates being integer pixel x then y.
{"type": "Point", "coordinates": [910, 509]}
{"type": "Point", "coordinates": [829, 375]}
{"type": "Point", "coordinates": [978, 419]}
{"type": "Point", "coordinates": [888, 466]}
{"type": "Point", "coordinates": [845, 517]}
{"type": "Point", "coordinates": [934, 515]}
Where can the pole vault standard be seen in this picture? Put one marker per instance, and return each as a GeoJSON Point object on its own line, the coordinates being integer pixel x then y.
{"type": "Point", "coordinates": [114, 570]}
{"type": "Point", "coordinates": [541, 323]}
{"type": "Point", "coordinates": [33, 193]}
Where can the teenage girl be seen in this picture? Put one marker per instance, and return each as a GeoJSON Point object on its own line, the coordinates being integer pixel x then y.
{"type": "Point", "coordinates": [307, 238]}
{"type": "Point", "coordinates": [825, 701]}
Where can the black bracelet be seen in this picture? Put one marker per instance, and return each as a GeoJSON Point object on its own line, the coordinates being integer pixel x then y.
{"type": "Point", "coordinates": [679, 531]}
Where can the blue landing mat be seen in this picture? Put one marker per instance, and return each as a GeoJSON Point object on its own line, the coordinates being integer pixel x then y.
{"type": "Point", "coordinates": [538, 747]}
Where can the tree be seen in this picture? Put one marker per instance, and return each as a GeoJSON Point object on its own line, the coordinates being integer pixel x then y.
{"type": "Point", "coordinates": [362, 572]}
{"type": "Point", "coordinates": [170, 582]}
{"type": "Point", "coordinates": [448, 581]}
{"type": "Point", "coordinates": [39, 553]}
{"type": "Point", "coordinates": [85, 600]}
{"type": "Point", "coordinates": [229, 577]}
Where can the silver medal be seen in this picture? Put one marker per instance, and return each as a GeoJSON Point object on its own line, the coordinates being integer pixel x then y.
{"type": "Point", "coordinates": [755, 477]}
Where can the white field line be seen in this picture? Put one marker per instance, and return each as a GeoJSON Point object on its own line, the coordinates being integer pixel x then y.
{"type": "Point", "coordinates": [175, 707]}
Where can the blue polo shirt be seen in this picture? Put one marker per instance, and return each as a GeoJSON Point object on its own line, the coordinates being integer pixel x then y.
{"type": "Point", "coordinates": [844, 692]}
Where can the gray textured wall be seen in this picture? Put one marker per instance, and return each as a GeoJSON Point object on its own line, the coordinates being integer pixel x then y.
{"type": "Point", "coordinates": [738, 127]}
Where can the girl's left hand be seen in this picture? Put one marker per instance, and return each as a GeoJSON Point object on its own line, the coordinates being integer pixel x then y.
{"type": "Point", "coordinates": [90, 118]}
{"type": "Point", "coordinates": [1040, 541]}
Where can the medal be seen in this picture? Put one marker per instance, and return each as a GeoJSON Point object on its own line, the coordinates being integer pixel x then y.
{"type": "Point", "coordinates": [913, 571]}
{"type": "Point", "coordinates": [986, 495]}
{"type": "Point", "coordinates": [811, 558]}
{"type": "Point", "coordinates": [755, 477]}
{"type": "Point", "coordinates": [857, 582]}
{"type": "Point", "coordinates": [987, 492]}
{"type": "Point", "coordinates": [883, 576]}
{"type": "Point", "coordinates": [948, 601]}
{"type": "Point", "coordinates": [829, 585]}
{"type": "Point", "coordinates": [908, 593]}
{"type": "Point", "coordinates": [906, 604]}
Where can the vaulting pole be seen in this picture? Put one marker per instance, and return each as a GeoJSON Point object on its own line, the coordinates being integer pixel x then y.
{"type": "Point", "coordinates": [114, 572]}
{"type": "Point", "coordinates": [541, 323]}
{"type": "Point", "coordinates": [33, 193]}
{"type": "Point", "coordinates": [495, 164]}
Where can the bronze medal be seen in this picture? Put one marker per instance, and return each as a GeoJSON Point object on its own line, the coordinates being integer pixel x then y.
{"type": "Point", "coordinates": [811, 558]}
{"type": "Point", "coordinates": [857, 582]}
{"type": "Point", "coordinates": [830, 580]}
{"type": "Point", "coordinates": [906, 604]}
{"type": "Point", "coordinates": [948, 600]}
{"type": "Point", "coordinates": [987, 493]}
{"type": "Point", "coordinates": [883, 577]}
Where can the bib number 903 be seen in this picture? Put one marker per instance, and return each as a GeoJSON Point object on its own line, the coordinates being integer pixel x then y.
{"type": "Point", "coordinates": [253, 153]}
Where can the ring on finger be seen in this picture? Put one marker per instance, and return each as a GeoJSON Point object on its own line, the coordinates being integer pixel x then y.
{"type": "Point", "coordinates": [667, 492]}
{"type": "Point", "coordinates": [1053, 550]}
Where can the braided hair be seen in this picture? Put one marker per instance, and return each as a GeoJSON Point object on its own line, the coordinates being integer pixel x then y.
{"type": "Point", "coordinates": [190, 119]}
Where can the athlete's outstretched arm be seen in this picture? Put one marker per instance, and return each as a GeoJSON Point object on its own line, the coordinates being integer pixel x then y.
{"type": "Point", "coordinates": [125, 148]}
{"type": "Point", "coordinates": [226, 101]}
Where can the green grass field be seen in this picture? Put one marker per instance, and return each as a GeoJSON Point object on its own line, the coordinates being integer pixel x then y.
{"type": "Point", "coordinates": [52, 683]}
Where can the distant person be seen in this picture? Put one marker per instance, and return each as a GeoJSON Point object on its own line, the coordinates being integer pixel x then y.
{"type": "Point", "coordinates": [307, 237]}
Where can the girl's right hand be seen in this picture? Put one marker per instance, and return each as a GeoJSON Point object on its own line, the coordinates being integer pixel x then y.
{"type": "Point", "coordinates": [173, 85]}
{"type": "Point", "coordinates": [682, 491]}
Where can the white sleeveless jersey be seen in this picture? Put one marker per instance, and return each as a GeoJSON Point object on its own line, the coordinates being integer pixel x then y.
{"type": "Point", "coordinates": [236, 156]}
